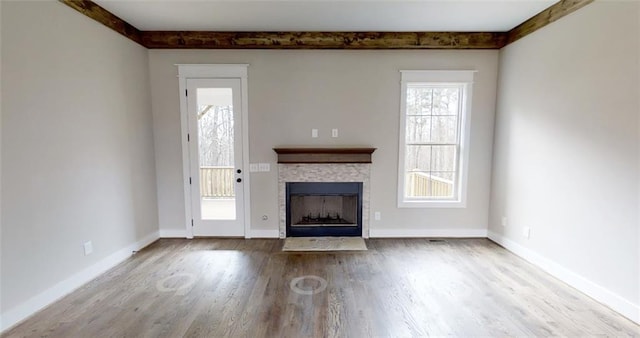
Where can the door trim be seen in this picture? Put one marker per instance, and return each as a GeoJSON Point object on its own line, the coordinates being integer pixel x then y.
{"type": "Point", "coordinates": [214, 71]}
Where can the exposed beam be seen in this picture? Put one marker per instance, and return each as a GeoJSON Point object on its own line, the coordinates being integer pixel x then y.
{"type": "Point", "coordinates": [321, 40]}
{"type": "Point", "coordinates": [95, 12]}
{"type": "Point", "coordinates": [549, 15]}
{"type": "Point", "coordinates": [324, 40]}
{"type": "Point", "coordinates": [289, 40]}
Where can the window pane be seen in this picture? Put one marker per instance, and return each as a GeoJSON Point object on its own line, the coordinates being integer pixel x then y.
{"type": "Point", "coordinates": [442, 184]}
{"type": "Point", "coordinates": [446, 101]}
{"type": "Point", "coordinates": [419, 100]}
{"type": "Point", "coordinates": [418, 158]}
{"type": "Point", "coordinates": [417, 184]}
{"type": "Point", "coordinates": [418, 129]}
{"type": "Point", "coordinates": [429, 185]}
{"type": "Point", "coordinates": [216, 153]}
{"type": "Point", "coordinates": [444, 129]}
{"type": "Point", "coordinates": [443, 158]}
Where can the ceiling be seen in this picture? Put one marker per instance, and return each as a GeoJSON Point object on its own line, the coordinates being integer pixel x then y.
{"type": "Point", "coordinates": [326, 15]}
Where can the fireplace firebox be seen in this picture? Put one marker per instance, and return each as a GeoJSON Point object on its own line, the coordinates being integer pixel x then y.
{"type": "Point", "coordinates": [323, 209]}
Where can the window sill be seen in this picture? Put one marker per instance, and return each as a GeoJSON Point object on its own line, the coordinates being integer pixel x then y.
{"type": "Point", "coordinates": [431, 204]}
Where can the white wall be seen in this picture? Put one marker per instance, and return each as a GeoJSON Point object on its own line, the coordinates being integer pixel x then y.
{"type": "Point", "coordinates": [566, 151]}
{"type": "Point", "coordinates": [0, 162]}
{"type": "Point", "coordinates": [358, 92]}
{"type": "Point", "coordinates": [77, 152]}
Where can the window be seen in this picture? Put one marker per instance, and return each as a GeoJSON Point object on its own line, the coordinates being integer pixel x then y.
{"type": "Point", "coordinates": [434, 134]}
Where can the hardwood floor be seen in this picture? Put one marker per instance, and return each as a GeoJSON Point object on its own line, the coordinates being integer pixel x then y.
{"type": "Point", "coordinates": [400, 287]}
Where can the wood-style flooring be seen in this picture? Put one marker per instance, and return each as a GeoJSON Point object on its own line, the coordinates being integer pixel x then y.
{"type": "Point", "coordinates": [399, 288]}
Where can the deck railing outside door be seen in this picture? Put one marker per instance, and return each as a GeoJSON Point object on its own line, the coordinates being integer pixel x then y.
{"type": "Point", "coordinates": [216, 182]}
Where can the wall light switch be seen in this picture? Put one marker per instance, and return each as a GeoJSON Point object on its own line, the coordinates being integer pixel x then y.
{"type": "Point", "coordinates": [314, 133]}
{"type": "Point", "coordinates": [376, 215]}
{"type": "Point", "coordinates": [264, 167]}
{"type": "Point", "coordinates": [88, 248]}
{"type": "Point", "coordinates": [526, 232]}
{"type": "Point", "coordinates": [253, 167]}
{"type": "Point", "coordinates": [504, 221]}
{"type": "Point", "coordinates": [334, 132]}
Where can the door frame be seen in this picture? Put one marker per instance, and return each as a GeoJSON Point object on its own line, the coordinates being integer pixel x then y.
{"type": "Point", "coordinates": [213, 71]}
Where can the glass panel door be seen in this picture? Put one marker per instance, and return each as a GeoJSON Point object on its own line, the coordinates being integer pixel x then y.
{"type": "Point", "coordinates": [215, 145]}
{"type": "Point", "coordinates": [215, 150]}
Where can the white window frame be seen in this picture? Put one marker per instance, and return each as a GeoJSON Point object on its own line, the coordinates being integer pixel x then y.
{"type": "Point", "coordinates": [438, 77]}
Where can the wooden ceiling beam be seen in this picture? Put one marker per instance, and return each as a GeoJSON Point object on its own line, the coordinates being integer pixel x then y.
{"type": "Point", "coordinates": [324, 40]}
{"type": "Point", "coordinates": [549, 15]}
{"type": "Point", "coordinates": [103, 16]}
{"type": "Point", "coordinates": [321, 40]}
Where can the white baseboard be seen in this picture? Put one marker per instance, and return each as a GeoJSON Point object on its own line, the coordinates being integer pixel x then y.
{"type": "Point", "coordinates": [591, 289]}
{"type": "Point", "coordinates": [257, 233]}
{"type": "Point", "coordinates": [21, 312]}
{"type": "Point", "coordinates": [173, 233]}
{"type": "Point", "coordinates": [418, 233]}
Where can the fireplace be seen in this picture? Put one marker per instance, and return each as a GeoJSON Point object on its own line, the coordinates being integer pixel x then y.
{"type": "Point", "coordinates": [335, 180]}
{"type": "Point", "coordinates": [323, 209]}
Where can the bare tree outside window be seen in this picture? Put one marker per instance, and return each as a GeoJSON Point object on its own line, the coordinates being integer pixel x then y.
{"type": "Point", "coordinates": [432, 140]}
{"type": "Point", "coordinates": [216, 152]}
{"type": "Point", "coordinates": [215, 133]}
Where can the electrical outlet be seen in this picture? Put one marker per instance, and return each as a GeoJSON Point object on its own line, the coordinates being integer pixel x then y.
{"type": "Point", "coordinates": [253, 167]}
{"type": "Point", "coordinates": [334, 133]}
{"type": "Point", "coordinates": [264, 167]}
{"type": "Point", "coordinates": [376, 215]}
{"type": "Point", "coordinates": [314, 133]}
{"type": "Point", "coordinates": [504, 221]}
{"type": "Point", "coordinates": [88, 248]}
{"type": "Point", "coordinates": [526, 232]}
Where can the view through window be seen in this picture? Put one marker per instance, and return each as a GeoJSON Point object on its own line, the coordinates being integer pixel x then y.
{"type": "Point", "coordinates": [433, 116]}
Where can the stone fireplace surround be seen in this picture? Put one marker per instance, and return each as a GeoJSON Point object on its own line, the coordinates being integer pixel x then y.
{"type": "Point", "coordinates": [324, 165]}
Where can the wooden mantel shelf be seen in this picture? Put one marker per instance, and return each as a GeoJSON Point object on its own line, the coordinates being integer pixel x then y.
{"type": "Point", "coordinates": [324, 155]}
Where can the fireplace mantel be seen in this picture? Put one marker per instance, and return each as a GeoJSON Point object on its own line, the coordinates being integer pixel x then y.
{"type": "Point", "coordinates": [324, 155]}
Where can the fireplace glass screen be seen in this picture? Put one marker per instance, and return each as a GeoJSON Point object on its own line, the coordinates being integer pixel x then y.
{"type": "Point", "coordinates": [324, 210]}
